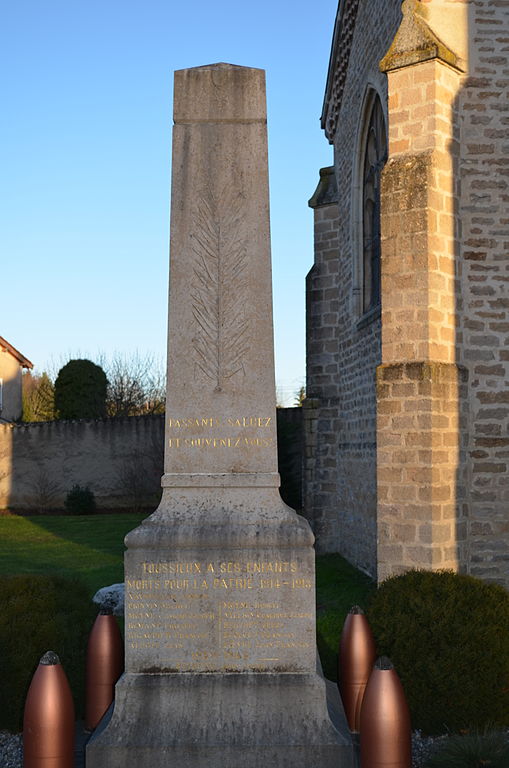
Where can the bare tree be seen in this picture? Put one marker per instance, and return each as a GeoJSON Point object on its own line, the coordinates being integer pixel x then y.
{"type": "Point", "coordinates": [45, 491]}
{"type": "Point", "coordinates": [133, 480]}
{"type": "Point", "coordinates": [139, 476]}
{"type": "Point", "coordinates": [136, 385]}
{"type": "Point", "coordinates": [300, 396]}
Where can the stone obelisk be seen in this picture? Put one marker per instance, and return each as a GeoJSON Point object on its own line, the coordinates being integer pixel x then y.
{"type": "Point", "coordinates": [220, 603]}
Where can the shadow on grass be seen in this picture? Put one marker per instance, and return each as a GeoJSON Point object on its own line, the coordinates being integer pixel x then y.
{"type": "Point", "coordinates": [90, 547]}
{"type": "Point", "coordinates": [339, 586]}
{"type": "Point", "coordinates": [104, 533]}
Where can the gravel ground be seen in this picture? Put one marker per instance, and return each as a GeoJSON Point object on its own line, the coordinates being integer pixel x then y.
{"type": "Point", "coordinates": [11, 750]}
{"type": "Point", "coordinates": [423, 747]}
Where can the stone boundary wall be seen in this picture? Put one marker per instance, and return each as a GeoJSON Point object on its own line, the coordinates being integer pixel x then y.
{"type": "Point", "coordinates": [121, 460]}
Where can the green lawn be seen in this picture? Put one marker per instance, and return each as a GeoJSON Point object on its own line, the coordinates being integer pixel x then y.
{"type": "Point", "coordinates": [90, 547]}
{"type": "Point", "coordinates": [339, 586]}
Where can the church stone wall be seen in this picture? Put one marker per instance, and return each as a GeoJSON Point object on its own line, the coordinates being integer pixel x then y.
{"type": "Point", "coordinates": [483, 308]}
{"type": "Point", "coordinates": [442, 460]}
{"type": "Point", "coordinates": [344, 349]}
{"type": "Point", "coordinates": [431, 488]}
{"type": "Point", "coordinates": [321, 425]}
{"type": "Point", "coordinates": [420, 459]}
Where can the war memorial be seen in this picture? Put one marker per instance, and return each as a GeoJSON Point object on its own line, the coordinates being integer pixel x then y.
{"type": "Point", "coordinates": [221, 664]}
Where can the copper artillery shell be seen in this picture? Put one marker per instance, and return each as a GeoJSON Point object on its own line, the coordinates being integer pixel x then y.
{"type": "Point", "coordinates": [385, 733]}
{"type": "Point", "coordinates": [105, 664]}
{"type": "Point", "coordinates": [357, 655]}
{"type": "Point", "coordinates": [48, 723]}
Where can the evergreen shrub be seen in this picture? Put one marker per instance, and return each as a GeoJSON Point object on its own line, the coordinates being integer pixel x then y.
{"type": "Point", "coordinates": [80, 501]}
{"type": "Point", "coordinates": [448, 637]}
{"type": "Point", "coordinates": [41, 613]}
{"type": "Point", "coordinates": [472, 750]}
{"type": "Point", "coordinates": [80, 391]}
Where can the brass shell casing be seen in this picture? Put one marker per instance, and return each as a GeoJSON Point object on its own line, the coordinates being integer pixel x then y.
{"type": "Point", "coordinates": [385, 730]}
{"type": "Point", "coordinates": [357, 655]}
{"type": "Point", "coordinates": [105, 664]}
{"type": "Point", "coordinates": [48, 723]}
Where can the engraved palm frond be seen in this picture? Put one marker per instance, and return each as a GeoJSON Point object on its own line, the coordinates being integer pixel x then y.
{"type": "Point", "coordinates": [218, 287]}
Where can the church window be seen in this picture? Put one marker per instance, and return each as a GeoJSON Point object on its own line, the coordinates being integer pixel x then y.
{"type": "Point", "coordinates": [374, 159]}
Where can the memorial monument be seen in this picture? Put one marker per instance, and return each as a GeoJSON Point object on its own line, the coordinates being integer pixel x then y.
{"type": "Point", "coordinates": [220, 601]}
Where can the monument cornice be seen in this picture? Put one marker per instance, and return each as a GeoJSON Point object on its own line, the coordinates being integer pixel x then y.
{"type": "Point", "coordinates": [221, 479]}
{"type": "Point", "coordinates": [217, 121]}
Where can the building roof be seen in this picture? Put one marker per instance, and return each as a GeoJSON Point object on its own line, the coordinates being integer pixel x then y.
{"type": "Point", "coordinates": [22, 360]}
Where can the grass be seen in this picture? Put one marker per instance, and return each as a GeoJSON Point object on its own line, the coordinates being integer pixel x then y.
{"type": "Point", "coordinates": [90, 548]}
{"type": "Point", "coordinates": [339, 586]}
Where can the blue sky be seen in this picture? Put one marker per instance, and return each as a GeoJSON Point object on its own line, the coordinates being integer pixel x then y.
{"type": "Point", "coordinates": [85, 147]}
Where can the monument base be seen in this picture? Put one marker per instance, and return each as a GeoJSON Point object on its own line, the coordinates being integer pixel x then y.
{"type": "Point", "coordinates": [220, 638]}
{"type": "Point", "coordinates": [222, 721]}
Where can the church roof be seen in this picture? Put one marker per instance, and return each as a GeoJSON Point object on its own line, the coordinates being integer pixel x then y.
{"type": "Point", "coordinates": [338, 64]}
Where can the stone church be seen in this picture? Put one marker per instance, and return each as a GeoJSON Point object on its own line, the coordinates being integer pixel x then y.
{"type": "Point", "coordinates": [407, 409]}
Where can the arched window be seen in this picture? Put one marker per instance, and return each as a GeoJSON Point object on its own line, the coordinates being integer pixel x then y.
{"type": "Point", "coordinates": [375, 157]}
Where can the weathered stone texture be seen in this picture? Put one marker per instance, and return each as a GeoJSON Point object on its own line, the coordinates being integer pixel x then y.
{"type": "Point", "coordinates": [418, 450]}
{"type": "Point", "coordinates": [419, 218]}
{"type": "Point", "coordinates": [420, 513]}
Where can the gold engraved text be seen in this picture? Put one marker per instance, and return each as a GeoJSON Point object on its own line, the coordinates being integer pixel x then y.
{"type": "Point", "coordinates": [221, 615]}
{"type": "Point", "coordinates": [204, 422]}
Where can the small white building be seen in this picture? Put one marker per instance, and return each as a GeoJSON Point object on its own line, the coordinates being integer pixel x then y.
{"type": "Point", "coordinates": [12, 363]}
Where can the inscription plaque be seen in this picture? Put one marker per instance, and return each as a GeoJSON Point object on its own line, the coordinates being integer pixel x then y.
{"type": "Point", "coordinates": [219, 615]}
{"type": "Point", "coordinates": [209, 432]}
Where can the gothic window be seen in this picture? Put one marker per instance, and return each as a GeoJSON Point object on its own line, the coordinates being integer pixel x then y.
{"type": "Point", "coordinates": [375, 156]}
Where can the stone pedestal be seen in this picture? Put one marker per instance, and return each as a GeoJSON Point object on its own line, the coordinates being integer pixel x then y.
{"type": "Point", "coordinates": [220, 593]}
